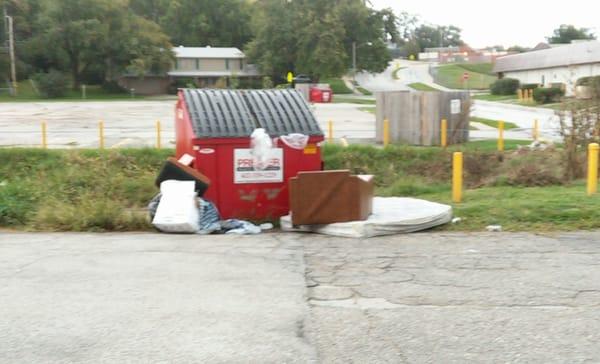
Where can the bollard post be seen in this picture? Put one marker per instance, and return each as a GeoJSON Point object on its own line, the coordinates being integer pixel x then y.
{"type": "Point", "coordinates": [158, 144]}
{"type": "Point", "coordinates": [386, 132]}
{"type": "Point", "coordinates": [101, 134]}
{"type": "Point", "coordinates": [592, 179]}
{"type": "Point", "coordinates": [520, 94]}
{"type": "Point", "coordinates": [457, 176]}
{"type": "Point", "coordinates": [444, 133]}
{"type": "Point", "coordinates": [330, 131]}
{"type": "Point", "coordinates": [530, 95]}
{"type": "Point", "coordinates": [501, 136]}
{"type": "Point", "coordinates": [44, 137]}
{"type": "Point", "coordinates": [536, 129]}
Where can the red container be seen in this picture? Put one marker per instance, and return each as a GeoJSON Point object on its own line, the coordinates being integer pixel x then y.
{"type": "Point", "coordinates": [236, 188]}
{"type": "Point", "coordinates": [320, 94]}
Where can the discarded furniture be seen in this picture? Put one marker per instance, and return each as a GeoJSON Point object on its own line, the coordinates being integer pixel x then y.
{"type": "Point", "coordinates": [326, 197]}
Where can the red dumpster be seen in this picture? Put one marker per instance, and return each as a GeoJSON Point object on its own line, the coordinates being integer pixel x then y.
{"type": "Point", "coordinates": [214, 126]}
{"type": "Point", "coordinates": [321, 93]}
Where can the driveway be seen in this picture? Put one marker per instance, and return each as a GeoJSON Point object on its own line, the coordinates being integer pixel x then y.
{"type": "Point", "coordinates": [272, 298]}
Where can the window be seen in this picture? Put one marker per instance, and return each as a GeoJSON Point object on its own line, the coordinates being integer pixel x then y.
{"type": "Point", "coordinates": [176, 64]}
{"type": "Point", "coordinates": [197, 64]}
{"type": "Point", "coordinates": [226, 64]}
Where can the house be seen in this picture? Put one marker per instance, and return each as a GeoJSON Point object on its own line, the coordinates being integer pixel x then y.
{"type": "Point", "coordinates": [562, 65]}
{"type": "Point", "coordinates": [460, 54]}
{"type": "Point", "coordinates": [206, 65]}
{"type": "Point", "coordinates": [202, 66]}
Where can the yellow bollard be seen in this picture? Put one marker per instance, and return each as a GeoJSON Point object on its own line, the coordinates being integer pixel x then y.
{"type": "Point", "coordinates": [536, 129]}
{"type": "Point", "coordinates": [101, 134]}
{"type": "Point", "coordinates": [330, 132]}
{"type": "Point", "coordinates": [386, 132]}
{"type": "Point", "coordinates": [457, 176]}
{"type": "Point", "coordinates": [520, 94]}
{"type": "Point", "coordinates": [592, 180]}
{"type": "Point", "coordinates": [530, 95]}
{"type": "Point", "coordinates": [44, 137]}
{"type": "Point", "coordinates": [501, 136]}
{"type": "Point", "coordinates": [158, 144]}
{"type": "Point", "coordinates": [444, 133]}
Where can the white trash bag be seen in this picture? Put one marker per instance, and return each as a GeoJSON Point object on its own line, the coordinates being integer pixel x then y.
{"type": "Point", "coordinates": [261, 145]}
{"type": "Point", "coordinates": [177, 211]}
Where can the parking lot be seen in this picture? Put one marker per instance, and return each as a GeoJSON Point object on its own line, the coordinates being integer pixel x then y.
{"type": "Point", "coordinates": [133, 123]}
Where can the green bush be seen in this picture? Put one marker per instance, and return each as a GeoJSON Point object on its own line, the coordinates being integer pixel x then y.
{"type": "Point", "coordinates": [504, 86]}
{"type": "Point", "coordinates": [547, 95]}
{"type": "Point", "coordinates": [113, 87]}
{"type": "Point", "coordinates": [529, 86]}
{"type": "Point", "coordinates": [52, 84]}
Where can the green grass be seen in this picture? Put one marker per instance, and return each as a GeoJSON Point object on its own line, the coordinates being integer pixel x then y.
{"type": "Point", "coordinates": [337, 85]}
{"type": "Point", "coordinates": [494, 123]}
{"type": "Point", "coordinates": [364, 91]}
{"type": "Point", "coordinates": [353, 100]}
{"type": "Point", "coordinates": [91, 190]}
{"type": "Point", "coordinates": [369, 109]}
{"type": "Point", "coordinates": [26, 93]}
{"type": "Point", "coordinates": [485, 68]}
{"type": "Point", "coordinates": [421, 87]}
{"type": "Point", "coordinates": [451, 76]}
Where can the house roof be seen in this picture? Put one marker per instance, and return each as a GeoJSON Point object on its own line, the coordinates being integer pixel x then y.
{"type": "Point", "coordinates": [207, 52]}
{"type": "Point", "coordinates": [570, 54]}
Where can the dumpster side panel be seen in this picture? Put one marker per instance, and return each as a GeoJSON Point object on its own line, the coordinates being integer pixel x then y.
{"type": "Point", "coordinates": [183, 129]}
{"type": "Point", "coordinates": [251, 201]}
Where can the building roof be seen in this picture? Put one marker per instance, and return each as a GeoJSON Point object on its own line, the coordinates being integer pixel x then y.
{"type": "Point", "coordinates": [207, 52]}
{"type": "Point", "coordinates": [570, 54]}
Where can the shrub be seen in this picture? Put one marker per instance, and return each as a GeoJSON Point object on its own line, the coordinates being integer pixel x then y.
{"type": "Point", "coordinates": [529, 86]}
{"type": "Point", "coordinates": [588, 81]}
{"type": "Point", "coordinates": [52, 84]}
{"type": "Point", "coordinates": [547, 95]}
{"type": "Point", "coordinates": [113, 87]}
{"type": "Point", "coordinates": [504, 86]}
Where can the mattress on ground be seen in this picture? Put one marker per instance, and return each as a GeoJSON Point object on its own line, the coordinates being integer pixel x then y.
{"type": "Point", "coordinates": [391, 215]}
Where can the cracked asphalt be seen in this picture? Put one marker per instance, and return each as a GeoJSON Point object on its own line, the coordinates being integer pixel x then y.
{"type": "Point", "coordinates": [276, 297]}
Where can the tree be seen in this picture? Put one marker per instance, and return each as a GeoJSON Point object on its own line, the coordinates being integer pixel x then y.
{"type": "Point", "coordinates": [567, 33]}
{"type": "Point", "coordinates": [518, 49]}
{"type": "Point", "coordinates": [103, 35]}
{"type": "Point", "coordinates": [437, 36]}
{"type": "Point", "coordinates": [317, 37]}
{"type": "Point", "coordinates": [223, 23]}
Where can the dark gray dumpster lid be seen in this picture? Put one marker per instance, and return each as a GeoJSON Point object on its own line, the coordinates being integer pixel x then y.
{"type": "Point", "coordinates": [281, 112]}
{"type": "Point", "coordinates": [236, 113]}
{"type": "Point", "coordinates": [218, 113]}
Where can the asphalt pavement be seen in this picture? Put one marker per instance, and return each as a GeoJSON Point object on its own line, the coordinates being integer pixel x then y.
{"type": "Point", "coordinates": [299, 298]}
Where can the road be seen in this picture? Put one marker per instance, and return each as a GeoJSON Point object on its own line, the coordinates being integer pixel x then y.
{"type": "Point", "coordinates": [276, 297]}
{"type": "Point", "coordinates": [132, 123]}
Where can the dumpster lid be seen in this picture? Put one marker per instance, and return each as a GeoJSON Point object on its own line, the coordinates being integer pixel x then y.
{"type": "Point", "coordinates": [282, 112]}
{"type": "Point", "coordinates": [218, 113]}
{"type": "Point", "coordinates": [236, 113]}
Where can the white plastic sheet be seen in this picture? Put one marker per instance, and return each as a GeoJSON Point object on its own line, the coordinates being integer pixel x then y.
{"type": "Point", "coordinates": [261, 144]}
{"type": "Point", "coordinates": [177, 211]}
{"type": "Point", "coordinates": [391, 215]}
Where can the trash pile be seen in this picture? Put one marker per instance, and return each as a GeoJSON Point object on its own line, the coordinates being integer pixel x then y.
{"type": "Point", "coordinates": [179, 207]}
{"type": "Point", "coordinates": [257, 155]}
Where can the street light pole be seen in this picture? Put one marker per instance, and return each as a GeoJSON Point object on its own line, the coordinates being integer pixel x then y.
{"type": "Point", "coordinates": [354, 61]}
{"type": "Point", "coordinates": [11, 41]}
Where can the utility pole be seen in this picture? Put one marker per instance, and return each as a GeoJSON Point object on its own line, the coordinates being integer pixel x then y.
{"type": "Point", "coordinates": [11, 49]}
{"type": "Point", "coordinates": [354, 61]}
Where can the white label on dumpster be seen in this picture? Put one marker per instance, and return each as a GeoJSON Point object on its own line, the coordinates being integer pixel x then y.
{"type": "Point", "coordinates": [455, 106]}
{"type": "Point", "coordinates": [244, 170]}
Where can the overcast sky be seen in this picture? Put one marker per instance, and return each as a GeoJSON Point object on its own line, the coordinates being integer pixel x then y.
{"type": "Point", "coordinates": [506, 22]}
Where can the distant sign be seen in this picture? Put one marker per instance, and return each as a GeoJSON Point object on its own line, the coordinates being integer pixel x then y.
{"type": "Point", "coordinates": [290, 77]}
{"type": "Point", "coordinates": [465, 76]}
{"type": "Point", "coordinates": [455, 106]}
